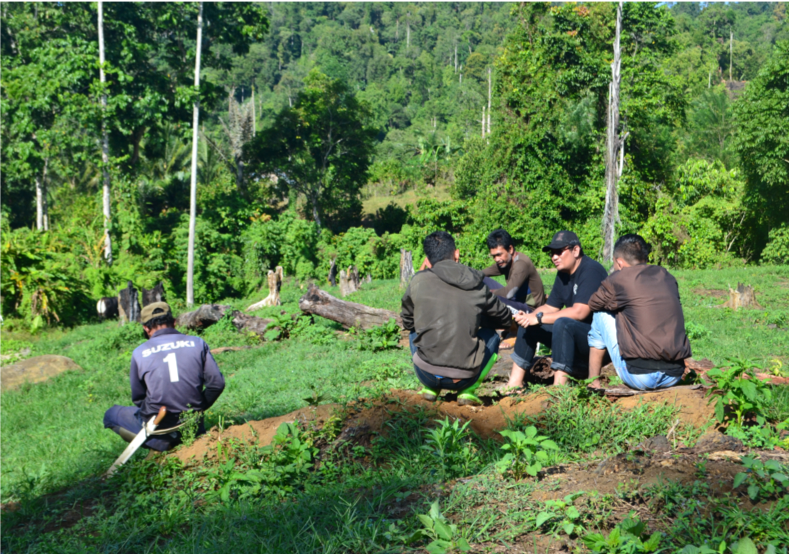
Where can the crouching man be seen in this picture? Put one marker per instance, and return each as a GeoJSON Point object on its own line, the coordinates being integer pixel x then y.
{"type": "Point", "coordinates": [564, 322]}
{"type": "Point", "coordinates": [172, 370]}
{"type": "Point", "coordinates": [452, 317]}
{"type": "Point", "coordinates": [638, 319]}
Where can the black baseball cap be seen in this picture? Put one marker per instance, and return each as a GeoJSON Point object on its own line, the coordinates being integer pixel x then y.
{"type": "Point", "coordinates": [562, 239]}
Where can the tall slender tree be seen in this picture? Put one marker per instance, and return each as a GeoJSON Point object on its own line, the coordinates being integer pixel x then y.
{"type": "Point", "coordinates": [105, 145]}
{"type": "Point", "coordinates": [190, 272]}
{"type": "Point", "coordinates": [613, 147]}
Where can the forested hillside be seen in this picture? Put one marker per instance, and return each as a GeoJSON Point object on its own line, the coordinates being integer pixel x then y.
{"type": "Point", "coordinates": [308, 108]}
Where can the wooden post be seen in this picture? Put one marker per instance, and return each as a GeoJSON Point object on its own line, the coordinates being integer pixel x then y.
{"type": "Point", "coordinates": [611, 211]}
{"type": "Point", "coordinates": [274, 279]}
{"type": "Point", "coordinates": [349, 281]}
{"type": "Point", "coordinates": [406, 267]}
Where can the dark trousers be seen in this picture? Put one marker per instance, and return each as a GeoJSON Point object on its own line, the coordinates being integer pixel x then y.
{"type": "Point", "coordinates": [492, 341]}
{"type": "Point", "coordinates": [568, 340]}
{"type": "Point", "coordinates": [494, 285]}
{"type": "Point", "coordinates": [129, 418]}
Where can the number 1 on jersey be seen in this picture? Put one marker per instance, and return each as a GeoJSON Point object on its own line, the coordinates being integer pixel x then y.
{"type": "Point", "coordinates": [173, 365]}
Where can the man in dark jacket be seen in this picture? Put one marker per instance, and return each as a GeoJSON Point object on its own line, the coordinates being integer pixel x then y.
{"type": "Point", "coordinates": [452, 317]}
{"type": "Point", "coordinates": [563, 322]}
{"type": "Point", "coordinates": [638, 319]}
{"type": "Point", "coordinates": [172, 370]}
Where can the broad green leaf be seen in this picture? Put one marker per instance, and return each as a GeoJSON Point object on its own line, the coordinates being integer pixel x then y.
{"type": "Point", "coordinates": [462, 545]}
{"type": "Point", "coordinates": [426, 521]}
{"type": "Point", "coordinates": [542, 517]}
{"type": "Point", "coordinates": [738, 479]}
{"type": "Point", "coordinates": [744, 546]}
{"type": "Point", "coordinates": [753, 492]}
{"type": "Point", "coordinates": [572, 512]}
{"type": "Point", "coordinates": [549, 444]}
{"type": "Point", "coordinates": [443, 530]}
{"type": "Point", "coordinates": [568, 528]}
{"type": "Point", "coordinates": [438, 547]}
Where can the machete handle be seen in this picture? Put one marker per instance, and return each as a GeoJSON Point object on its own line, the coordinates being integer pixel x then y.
{"type": "Point", "coordinates": [160, 415]}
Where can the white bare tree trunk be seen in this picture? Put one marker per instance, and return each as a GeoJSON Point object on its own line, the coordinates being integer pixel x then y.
{"type": "Point", "coordinates": [483, 121]}
{"type": "Point", "coordinates": [254, 114]}
{"type": "Point", "coordinates": [490, 96]}
{"type": "Point", "coordinates": [190, 271]}
{"type": "Point", "coordinates": [39, 204]}
{"type": "Point", "coordinates": [614, 146]}
{"type": "Point", "coordinates": [105, 146]}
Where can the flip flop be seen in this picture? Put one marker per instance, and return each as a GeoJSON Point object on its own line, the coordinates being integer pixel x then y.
{"type": "Point", "coordinates": [508, 343]}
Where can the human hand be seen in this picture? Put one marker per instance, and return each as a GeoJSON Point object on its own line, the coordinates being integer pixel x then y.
{"type": "Point", "coordinates": [523, 319]}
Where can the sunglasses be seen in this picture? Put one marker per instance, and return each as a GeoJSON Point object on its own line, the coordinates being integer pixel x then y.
{"type": "Point", "coordinates": [558, 251]}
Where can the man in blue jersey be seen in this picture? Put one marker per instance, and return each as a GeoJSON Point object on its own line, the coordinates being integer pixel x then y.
{"type": "Point", "coordinates": [172, 370]}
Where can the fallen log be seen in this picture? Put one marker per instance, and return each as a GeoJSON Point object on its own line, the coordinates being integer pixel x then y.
{"type": "Point", "coordinates": [208, 314]}
{"type": "Point", "coordinates": [347, 314]}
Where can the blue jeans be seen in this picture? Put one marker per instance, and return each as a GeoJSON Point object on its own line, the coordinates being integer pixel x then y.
{"type": "Point", "coordinates": [436, 382]}
{"type": "Point", "coordinates": [130, 419]}
{"type": "Point", "coordinates": [494, 285]}
{"type": "Point", "coordinates": [602, 336]}
{"type": "Point", "coordinates": [567, 339]}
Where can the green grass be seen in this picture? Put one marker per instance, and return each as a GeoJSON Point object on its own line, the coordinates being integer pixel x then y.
{"type": "Point", "coordinates": [359, 498]}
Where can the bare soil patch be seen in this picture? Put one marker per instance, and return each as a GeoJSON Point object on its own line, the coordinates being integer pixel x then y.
{"type": "Point", "coordinates": [714, 293]}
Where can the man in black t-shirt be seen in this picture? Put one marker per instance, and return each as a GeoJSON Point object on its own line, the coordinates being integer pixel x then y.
{"type": "Point", "coordinates": [564, 322]}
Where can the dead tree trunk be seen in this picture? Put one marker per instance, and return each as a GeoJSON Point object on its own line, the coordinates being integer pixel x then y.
{"type": "Point", "coordinates": [128, 304]}
{"type": "Point", "coordinates": [208, 314]}
{"type": "Point", "coordinates": [347, 314]}
{"type": "Point", "coordinates": [406, 267]}
{"type": "Point", "coordinates": [611, 212]}
{"type": "Point", "coordinates": [349, 282]}
{"type": "Point", "coordinates": [742, 297]}
{"type": "Point", "coordinates": [274, 286]}
{"type": "Point", "coordinates": [333, 273]}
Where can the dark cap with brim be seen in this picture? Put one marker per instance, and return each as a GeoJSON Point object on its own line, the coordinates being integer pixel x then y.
{"type": "Point", "coordinates": [562, 239]}
{"type": "Point", "coordinates": [152, 311]}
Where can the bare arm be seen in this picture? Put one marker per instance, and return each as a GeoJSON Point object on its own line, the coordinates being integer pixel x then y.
{"type": "Point", "coordinates": [579, 312]}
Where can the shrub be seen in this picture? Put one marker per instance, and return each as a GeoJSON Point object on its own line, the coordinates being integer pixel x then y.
{"type": "Point", "coordinates": [777, 250]}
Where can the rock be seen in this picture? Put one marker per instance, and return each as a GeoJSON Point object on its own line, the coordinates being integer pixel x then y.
{"type": "Point", "coordinates": [717, 442]}
{"type": "Point", "coordinates": [35, 370]}
{"type": "Point", "coordinates": [203, 317]}
{"type": "Point", "coordinates": [658, 444]}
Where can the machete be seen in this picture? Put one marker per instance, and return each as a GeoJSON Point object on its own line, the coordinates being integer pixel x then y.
{"type": "Point", "coordinates": [149, 428]}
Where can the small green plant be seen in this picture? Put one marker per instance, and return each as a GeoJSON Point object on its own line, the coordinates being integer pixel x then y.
{"type": "Point", "coordinates": [451, 444]}
{"type": "Point", "coordinates": [696, 331]}
{"type": "Point", "coordinates": [742, 546]}
{"type": "Point", "coordinates": [443, 535]}
{"type": "Point", "coordinates": [629, 537]}
{"type": "Point", "coordinates": [191, 423]}
{"type": "Point", "coordinates": [762, 435]}
{"type": "Point", "coordinates": [745, 396]}
{"type": "Point", "coordinates": [561, 514]}
{"type": "Point", "coordinates": [280, 327]}
{"type": "Point", "coordinates": [764, 479]}
{"type": "Point", "coordinates": [382, 337]}
{"type": "Point", "coordinates": [526, 451]}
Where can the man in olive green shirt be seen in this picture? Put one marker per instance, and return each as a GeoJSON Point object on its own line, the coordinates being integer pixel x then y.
{"type": "Point", "coordinates": [524, 290]}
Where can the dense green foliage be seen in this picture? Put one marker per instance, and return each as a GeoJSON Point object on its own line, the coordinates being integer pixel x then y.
{"type": "Point", "coordinates": [310, 109]}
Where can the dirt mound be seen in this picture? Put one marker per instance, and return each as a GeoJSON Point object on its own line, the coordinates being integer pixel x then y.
{"type": "Point", "coordinates": [260, 432]}
{"type": "Point", "coordinates": [485, 420]}
{"type": "Point", "coordinates": [35, 370]}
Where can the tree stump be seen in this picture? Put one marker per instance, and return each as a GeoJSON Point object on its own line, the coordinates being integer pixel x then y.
{"type": "Point", "coordinates": [349, 282]}
{"type": "Point", "coordinates": [128, 304]}
{"type": "Point", "coordinates": [742, 297]}
{"type": "Point", "coordinates": [333, 273]}
{"type": "Point", "coordinates": [406, 267]}
{"type": "Point", "coordinates": [347, 314]}
{"type": "Point", "coordinates": [156, 294]}
{"type": "Point", "coordinates": [274, 286]}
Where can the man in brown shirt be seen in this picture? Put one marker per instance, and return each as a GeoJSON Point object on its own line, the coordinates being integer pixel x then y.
{"type": "Point", "coordinates": [638, 319]}
{"type": "Point", "coordinates": [524, 290]}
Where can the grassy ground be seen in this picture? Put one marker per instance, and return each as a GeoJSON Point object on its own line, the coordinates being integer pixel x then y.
{"type": "Point", "coordinates": [376, 200]}
{"type": "Point", "coordinates": [360, 499]}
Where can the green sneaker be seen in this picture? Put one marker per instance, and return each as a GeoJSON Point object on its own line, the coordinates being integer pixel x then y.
{"type": "Point", "coordinates": [429, 394]}
{"type": "Point", "coordinates": [466, 397]}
